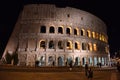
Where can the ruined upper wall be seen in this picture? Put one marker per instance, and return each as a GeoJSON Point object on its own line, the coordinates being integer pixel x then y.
{"type": "Point", "coordinates": [67, 15]}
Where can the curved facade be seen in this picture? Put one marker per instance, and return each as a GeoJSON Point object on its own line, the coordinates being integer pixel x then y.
{"type": "Point", "coordinates": [51, 35]}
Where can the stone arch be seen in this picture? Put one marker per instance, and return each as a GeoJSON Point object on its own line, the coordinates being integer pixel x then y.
{"type": "Point", "coordinates": [43, 29]}
{"type": "Point", "coordinates": [51, 44]}
{"type": "Point", "coordinates": [77, 61]}
{"type": "Point", "coordinates": [60, 61]}
{"type": "Point", "coordinates": [52, 29]}
{"type": "Point", "coordinates": [103, 61]}
{"type": "Point", "coordinates": [60, 30]}
{"type": "Point", "coordinates": [50, 60]}
{"type": "Point", "coordinates": [83, 61]}
{"type": "Point", "coordinates": [68, 30]}
{"type": "Point", "coordinates": [84, 46]}
{"type": "Point", "coordinates": [42, 44]}
{"type": "Point", "coordinates": [82, 32]}
{"type": "Point", "coordinates": [69, 45]}
{"type": "Point", "coordinates": [93, 34]}
{"type": "Point", "coordinates": [60, 44]}
{"type": "Point", "coordinates": [69, 59]}
{"type": "Point", "coordinates": [90, 61]}
{"type": "Point", "coordinates": [95, 61]}
{"type": "Point", "coordinates": [88, 33]}
{"type": "Point", "coordinates": [76, 31]}
{"type": "Point", "coordinates": [77, 45]}
{"type": "Point", "coordinates": [90, 46]}
{"type": "Point", "coordinates": [42, 61]}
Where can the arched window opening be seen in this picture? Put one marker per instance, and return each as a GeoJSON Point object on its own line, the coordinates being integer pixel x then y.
{"type": "Point", "coordinates": [42, 44]}
{"type": "Point", "coordinates": [60, 30]}
{"type": "Point", "coordinates": [97, 35]}
{"type": "Point", "coordinates": [88, 33]}
{"type": "Point", "coordinates": [43, 29]}
{"type": "Point", "coordinates": [68, 31]}
{"type": "Point", "coordinates": [69, 45]}
{"type": "Point", "coordinates": [84, 46]}
{"type": "Point", "coordinates": [60, 45]}
{"type": "Point", "coordinates": [93, 35]}
{"type": "Point", "coordinates": [82, 32]}
{"type": "Point", "coordinates": [60, 61]}
{"type": "Point", "coordinates": [90, 46]}
{"type": "Point", "coordinates": [94, 47]}
{"type": "Point", "coordinates": [52, 30]}
{"type": "Point", "coordinates": [50, 60]}
{"type": "Point", "coordinates": [103, 38]}
{"type": "Point", "coordinates": [75, 31]}
{"type": "Point", "coordinates": [51, 45]}
{"type": "Point", "coordinates": [77, 45]}
{"type": "Point", "coordinates": [100, 37]}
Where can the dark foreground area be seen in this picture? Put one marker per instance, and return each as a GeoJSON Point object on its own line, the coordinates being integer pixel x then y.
{"type": "Point", "coordinates": [56, 73]}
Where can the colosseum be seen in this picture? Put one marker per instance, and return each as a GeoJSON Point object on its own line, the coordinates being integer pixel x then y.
{"type": "Point", "coordinates": [47, 35]}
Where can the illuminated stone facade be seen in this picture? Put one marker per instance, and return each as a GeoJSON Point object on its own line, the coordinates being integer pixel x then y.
{"type": "Point", "coordinates": [52, 35]}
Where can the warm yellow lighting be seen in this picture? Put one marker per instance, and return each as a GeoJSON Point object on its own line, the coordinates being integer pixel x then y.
{"type": "Point", "coordinates": [69, 45]}
{"type": "Point", "coordinates": [94, 47]}
{"type": "Point", "coordinates": [88, 33]}
{"type": "Point", "coordinates": [82, 32]}
{"type": "Point", "coordinates": [90, 46]}
{"type": "Point", "coordinates": [93, 34]}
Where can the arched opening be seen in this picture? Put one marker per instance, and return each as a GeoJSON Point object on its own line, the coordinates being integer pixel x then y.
{"type": "Point", "coordinates": [90, 46]}
{"type": "Point", "coordinates": [93, 35]}
{"type": "Point", "coordinates": [42, 61]}
{"type": "Point", "coordinates": [52, 30]}
{"type": "Point", "coordinates": [77, 45]}
{"type": "Point", "coordinates": [90, 61]}
{"type": "Point", "coordinates": [68, 30]}
{"type": "Point", "coordinates": [60, 30]}
{"type": "Point", "coordinates": [97, 36]}
{"type": "Point", "coordinates": [43, 29]}
{"type": "Point", "coordinates": [69, 45]}
{"type": "Point", "coordinates": [88, 33]}
{"type": "Point", "coordinates": [82, 32]}
{"type": "Point", "coordinates": [84, 46]}
{"type": "Point", "coordinates": [94, 47]}
{"type": "Point", "coordinates": [42, 44]}
{"type": "Point", "coordinates": [75, 31]}
{"type": "Point", "coordinates": [99, 59]}
{"type": "Point", "coordinates": [95, 61]}
{"type": "Point", "coordinates": [50, 60]}
{"type": "Point", "coordinates": [103, 61]}
{"type": "Point", "coordinates": [60, 44]}
{"type": "Point", "coordinates": [69, 59]}
{"type": "Point", "coordinates": [77, 61]}
{"type": "Point", "coordinates": [51, 45]}
{"type": "Point", "coordinates": [83, 61]}
{"type": "Point", "coordinates": [60, 61]}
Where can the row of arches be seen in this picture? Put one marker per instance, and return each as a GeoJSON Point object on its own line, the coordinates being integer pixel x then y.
{"type": "Point", "coordinates": [77, 61]}
{"type": "Point", "coordinates": [68, 45]}
{"type": "Point", "coordinates": [76, 31]}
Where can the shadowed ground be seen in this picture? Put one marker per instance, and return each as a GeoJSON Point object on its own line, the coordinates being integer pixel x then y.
{"type": "Point", "coordinates": [19, 73]}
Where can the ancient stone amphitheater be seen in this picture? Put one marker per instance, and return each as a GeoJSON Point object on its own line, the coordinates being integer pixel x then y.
{"type": "Point", "coordinates": [47, 35]}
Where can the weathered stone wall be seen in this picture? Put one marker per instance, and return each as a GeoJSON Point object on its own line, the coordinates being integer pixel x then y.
{"type": "Point", "coordinates": [26, 36]}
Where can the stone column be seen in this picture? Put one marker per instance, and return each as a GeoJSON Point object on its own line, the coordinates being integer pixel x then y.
{"type": "Point", "coordinates": [47, 44]}
{"type": "Point", "coordinates": [46, 60]}
{"type": "Point", "coordinates": [73, 45]}
{"type": "Point", "coordinates": [64, 45]}
{"type": "Point", "coordinates": [37, 45]}
{"type": "Point", "coordinates": [93, 61]}
{"type": "Point", "coordinates": [56, 60]}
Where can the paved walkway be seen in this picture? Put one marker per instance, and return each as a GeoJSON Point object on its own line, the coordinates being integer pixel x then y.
{"type": "Point", "coordinates": [55, 73]}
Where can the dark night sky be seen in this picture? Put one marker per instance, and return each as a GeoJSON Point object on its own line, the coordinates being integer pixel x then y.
{"type": "Point", "coordinates": [107, 10]}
